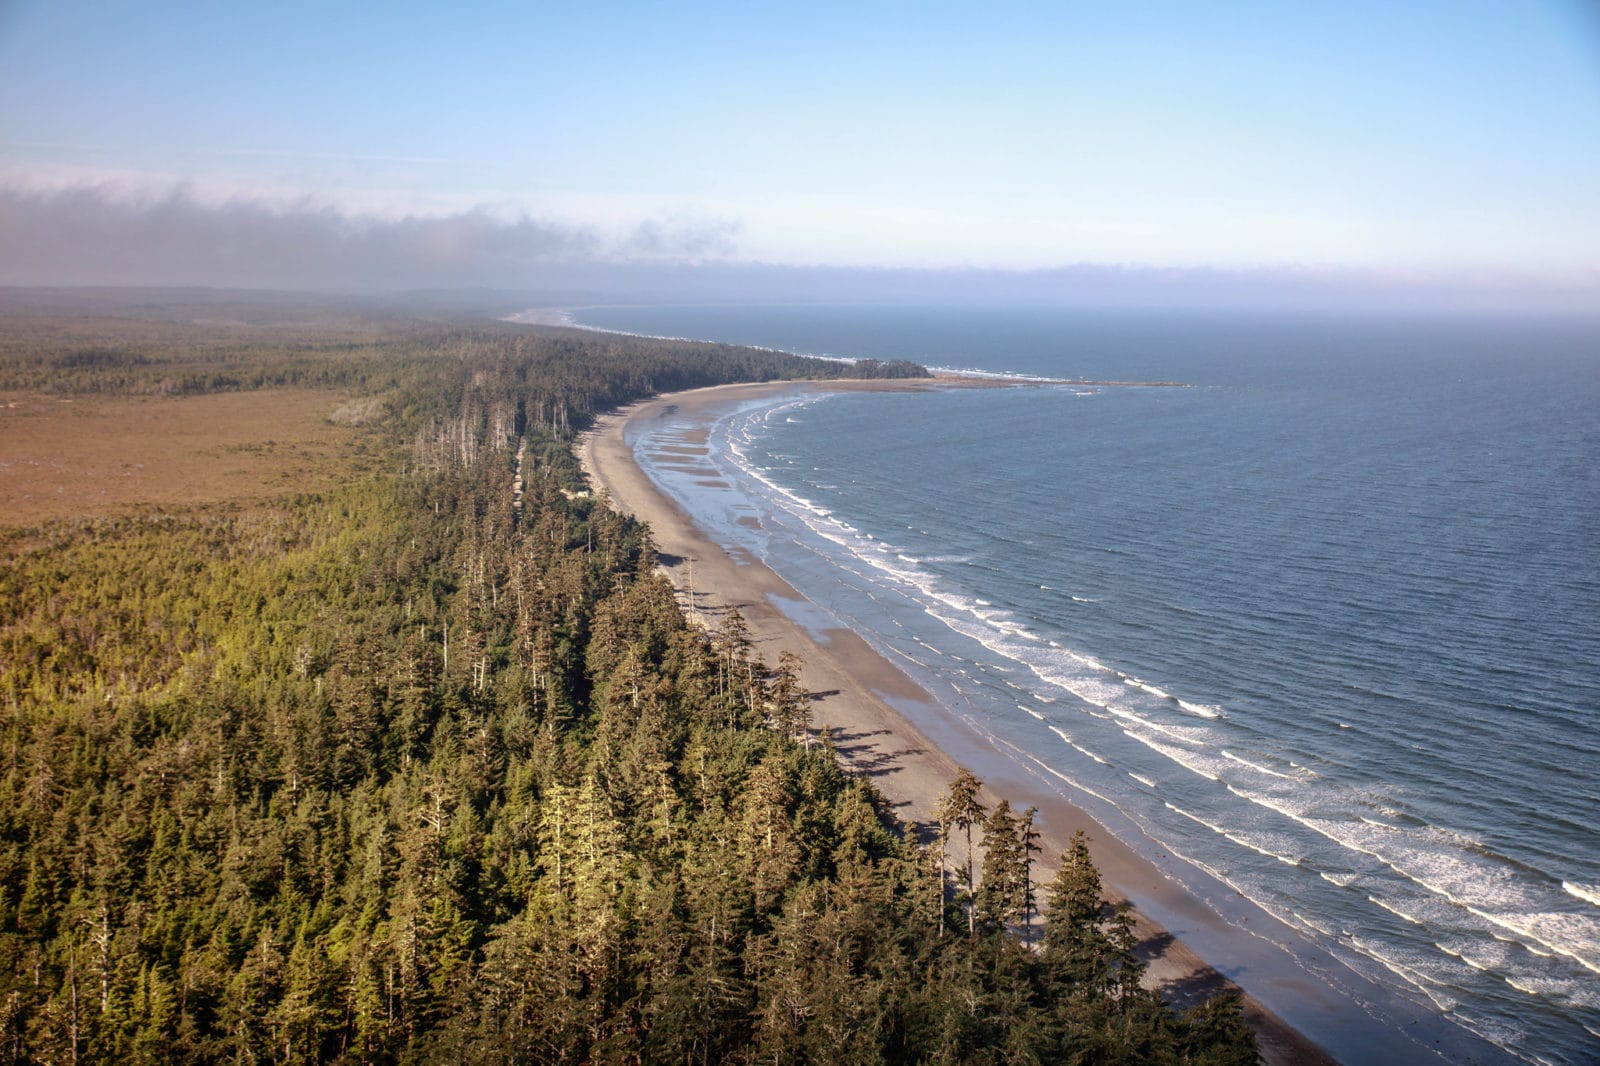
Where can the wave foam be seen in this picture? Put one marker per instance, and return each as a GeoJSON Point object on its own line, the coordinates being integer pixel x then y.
{"type": "Point", "coordinates": [1064, 735]}
{"type": "Point", "coordinates": [1406, 973]}
{"type": "Point", "coordinates": [1255, 845]}
{"type": "Point", "coordinates": [1226, 754]}
{"type": "Point", "coordinates": [1444, 881]}
{"type": "Point", "coordinates": [1587, 893]}
{"type": "Point", "coordinates": [1145, 686]}
{"type": "Point", "coordinates": [1455, 869]}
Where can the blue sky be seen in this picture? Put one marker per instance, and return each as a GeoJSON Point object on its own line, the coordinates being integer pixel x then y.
{"type": "Point", "coordinates": [1408, 140]}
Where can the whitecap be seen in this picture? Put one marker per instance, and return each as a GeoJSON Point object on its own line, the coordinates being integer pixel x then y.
{"type": "Point", "coordinates": [1145, 686]}
{"type": "Point", "coordinates": [1226, 754]}
{"type": "Point", "coordinates": [1254, 844]}
{"type": "Point", "coordinates": [1396, 911]}
{"type": "Point", "coordinates": [1194, 762]}
{"type": "Point", "coordinates": [1064, 735]}
{"type": "Point", "coordinates": [1588, 893]}
{"type": "Point", "coordinates": [1409, 974]}
{"type": "Point", "coordinates": [1307, 922]}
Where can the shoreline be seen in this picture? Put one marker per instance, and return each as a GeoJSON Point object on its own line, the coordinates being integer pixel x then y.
{"type": "Point", "coordinates": [868, 703]}
{"type": "Point", "coordinates": [561, 318]}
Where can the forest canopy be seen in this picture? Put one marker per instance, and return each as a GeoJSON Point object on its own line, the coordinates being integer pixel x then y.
{"type": "Point", "coordinates": [429, 764]}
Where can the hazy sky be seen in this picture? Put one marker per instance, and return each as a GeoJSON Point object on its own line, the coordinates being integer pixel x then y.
{"type": "Point", "coordinates": [1456, 142]}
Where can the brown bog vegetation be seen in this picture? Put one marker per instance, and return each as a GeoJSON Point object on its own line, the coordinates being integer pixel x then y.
{"type": "Point", "coordinates": [94, 456]}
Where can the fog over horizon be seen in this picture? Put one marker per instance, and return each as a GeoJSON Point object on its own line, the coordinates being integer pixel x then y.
{"type": "Point", "coordinates": [1420, 155]}
{"type": "Point", "coordinates": [103, 235]}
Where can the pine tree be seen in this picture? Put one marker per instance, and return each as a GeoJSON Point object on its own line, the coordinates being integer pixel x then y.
{"type": "Point", "coordinates": [766, 833]}
{"type": "Point", "coordinates": [1215, 1033]}
{"type": "Point", "coordinates": [1087, 947]}
{"type": "Point", "coordinates": [789, 702]}
{"type": "Point", "coordinates": [1073, 908]}
{"type": "Point", "coordinates": [1028, 836]}
{"type": "Point", "coordinates": [1000, 896]}
{"type": "Point", "coordinates": [962, 809]}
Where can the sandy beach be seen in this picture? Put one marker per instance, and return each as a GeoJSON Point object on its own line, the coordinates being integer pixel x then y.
{"type": "Point", "coordinates": [860, 696]}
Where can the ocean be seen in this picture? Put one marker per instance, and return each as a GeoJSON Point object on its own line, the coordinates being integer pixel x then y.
{"type": "Point", "coordinates": [1320, 624]}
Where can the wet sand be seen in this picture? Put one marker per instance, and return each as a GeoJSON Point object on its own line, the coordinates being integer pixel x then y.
{"type": "Point", "coordinates": [860, 696]}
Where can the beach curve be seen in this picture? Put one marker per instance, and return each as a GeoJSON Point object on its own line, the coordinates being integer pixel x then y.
{"type": "Point", "coordinates": [859, 695]}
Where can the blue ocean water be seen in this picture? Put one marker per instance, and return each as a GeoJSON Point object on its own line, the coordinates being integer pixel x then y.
{"type": "Point", "coordinates": [1324, 623]}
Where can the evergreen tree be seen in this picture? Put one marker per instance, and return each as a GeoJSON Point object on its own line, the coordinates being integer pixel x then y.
{"type": "Point", "coordinates": [1028, 838]}
{"type": "Point", "coordinates": [961, 810]}
{"type": "Point", "coordinates": [1000, 899]}
{"type": "Point", "coordinates": [788, 700]}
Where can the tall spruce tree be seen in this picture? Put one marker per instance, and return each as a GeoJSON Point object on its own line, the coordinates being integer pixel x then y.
{"type": "Point", "coordinates": [961, 810]}
{"type": "Point", "coordinates": [1000, 894]}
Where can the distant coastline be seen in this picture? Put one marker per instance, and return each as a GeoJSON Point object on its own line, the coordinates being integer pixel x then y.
{"type": "Point", "coordinates": [562, 317]}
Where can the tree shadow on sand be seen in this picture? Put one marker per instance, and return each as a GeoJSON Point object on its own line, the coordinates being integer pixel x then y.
{"type": "Point", "coordinates": [863, 756]}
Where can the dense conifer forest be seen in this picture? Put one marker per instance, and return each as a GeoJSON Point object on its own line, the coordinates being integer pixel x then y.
{"type": "Point", "coordinates": [427, 768]}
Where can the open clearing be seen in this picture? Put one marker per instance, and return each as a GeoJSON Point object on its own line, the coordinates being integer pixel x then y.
{"type": "Point", "coordinates": [93, 456]}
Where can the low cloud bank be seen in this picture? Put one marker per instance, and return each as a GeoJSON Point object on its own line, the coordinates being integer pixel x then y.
{"type": "Point", "coordinates": [98, 235]}
{"type": "Point", "coordinates": [94, 236]}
